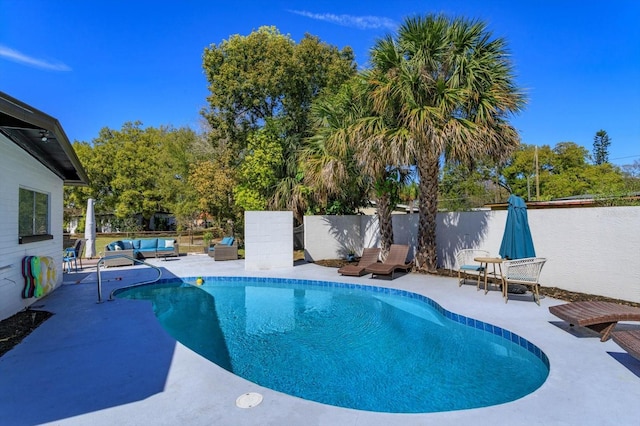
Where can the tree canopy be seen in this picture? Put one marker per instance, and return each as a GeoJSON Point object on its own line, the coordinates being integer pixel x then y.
{"type": "Point", "coordinates": [133, 170]}
{"type": "Point", "coordinates": [266, 78]}
{"type": "Point", "coordinates": [292, 125]}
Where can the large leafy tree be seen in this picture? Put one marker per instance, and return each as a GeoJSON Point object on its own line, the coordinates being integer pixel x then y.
{"type": "Point", "coordinates": [563, 171]}
{"type": "Point", "coordinates": [520, 173]}
{"type": "Point", "coordinates": [75, 197]}
{"type": "Point", "coordinates": [175, 158]}
{"type": "Point", "coordinates": [134, 170]}
{"type": "Point", "coordinates": [266, 77]}
{"type": "Point", "coordinates": [463, 188]}
{"type": "Point", "coordinates": [451, 87]}
{"type": "Point", "coordinates": [257, 173]}
{"type": "Point", "coordinates": [213, 181]}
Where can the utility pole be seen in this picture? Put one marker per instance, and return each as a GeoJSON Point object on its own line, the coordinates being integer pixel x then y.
{"type": "Point", "coordinates": [537, 176]}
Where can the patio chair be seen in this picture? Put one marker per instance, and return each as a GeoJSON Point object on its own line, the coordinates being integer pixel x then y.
{"type": "Point", "coordinates": [395, 260]}
{"type": "Point", "coordinates": [73, 254]}
{"type": "Point", "coordinates": [227, 249]}
{"type": "Point", "coordinates": [629, 340]}
{"type": "Point", "coordinates": [524, 272]}
{"type": "Point", "coordinates": [69, 260]}
{"type": "Point", "coordinates": [596, 315]}
{"type": "Point", "coordinates": [468, 267]}
{"type": "Point", "coordinates": [369, 257]}
{"type": "Point", "coordinates": [79, 248]}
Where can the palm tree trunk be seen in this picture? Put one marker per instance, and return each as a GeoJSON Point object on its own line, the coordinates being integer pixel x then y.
{"type": "Point", "coordinates": [428, 170]}
{"type": "Point", "coordinates": [385, 223]}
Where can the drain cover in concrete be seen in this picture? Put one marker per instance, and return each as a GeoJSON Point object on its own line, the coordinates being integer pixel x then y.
{"type": "Point", "coordinates": [249, 400]}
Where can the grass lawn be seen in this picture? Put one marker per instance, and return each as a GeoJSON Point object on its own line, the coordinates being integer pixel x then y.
{"type": "Point", "coordinates": [187, 244]}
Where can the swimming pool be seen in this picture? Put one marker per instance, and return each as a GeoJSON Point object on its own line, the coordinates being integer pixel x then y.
{"type": "Point", "coordinates": [361, 347]}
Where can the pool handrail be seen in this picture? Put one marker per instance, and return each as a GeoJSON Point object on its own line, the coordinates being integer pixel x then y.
{"type": "Point", "coordinates": [138, 261]}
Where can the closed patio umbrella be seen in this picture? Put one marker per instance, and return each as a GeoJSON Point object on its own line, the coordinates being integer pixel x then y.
{"type": "Point", "coordinates": [90, 230]}
{"type": "Point", "coordinates": [517, 242]}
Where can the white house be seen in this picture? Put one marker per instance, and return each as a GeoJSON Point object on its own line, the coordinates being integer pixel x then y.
{"type": "Point", "coordinates": [36, 161]}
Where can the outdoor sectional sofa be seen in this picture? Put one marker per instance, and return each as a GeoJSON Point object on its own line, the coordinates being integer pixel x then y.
{"type": "Point", "coordinates": [139, 248]}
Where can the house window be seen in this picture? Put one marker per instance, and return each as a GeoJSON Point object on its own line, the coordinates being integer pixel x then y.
{"type": "Point", "coordinates": [33, 216]}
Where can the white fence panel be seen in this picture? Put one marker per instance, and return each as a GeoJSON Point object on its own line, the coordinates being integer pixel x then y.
{"type": "Point", "coordinates": [594, 250]}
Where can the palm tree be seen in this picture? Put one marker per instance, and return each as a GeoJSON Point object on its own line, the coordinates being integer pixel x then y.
{"type": "Point", "coordinates": [334, 168]}
{"type": "Point", "coordinates": [450, 87]}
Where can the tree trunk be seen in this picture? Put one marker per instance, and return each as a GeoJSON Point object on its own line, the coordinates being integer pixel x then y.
{"type": "Point", "coordinates": [428, 170]}
{"type": "Point", "coordinates": [383, 211]}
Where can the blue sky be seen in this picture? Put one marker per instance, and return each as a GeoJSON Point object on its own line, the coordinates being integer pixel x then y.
{"type": "Point", "coordinates": [95, 64]}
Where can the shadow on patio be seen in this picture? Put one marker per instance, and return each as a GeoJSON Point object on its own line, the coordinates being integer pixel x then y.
{"type": "Point", "coordinates": [96, 355]}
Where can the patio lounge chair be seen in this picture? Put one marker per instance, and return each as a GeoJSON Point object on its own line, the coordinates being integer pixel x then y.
{"type": "Point", "coordinates": [395, 260]}
{"type": "Point", "coordinates": [524, 272]}
{"type": "Point", "coordinates": [369, 257]}
{"type": "Point", "coordinates": [227, 249]}
{"type": "Point", "coordinates": [596, 315]}
{"type": "Point", "coordinates": [629, 340]}
{"type": "Point", "coordinates": [467, 267]}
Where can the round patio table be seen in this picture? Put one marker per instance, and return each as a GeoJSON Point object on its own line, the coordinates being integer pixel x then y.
{"type": "Point", "coordinates": [485, 261]}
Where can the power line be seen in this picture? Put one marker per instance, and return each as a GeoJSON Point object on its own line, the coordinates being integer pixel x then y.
{"type": "Point", "coordinates": [622, 158]}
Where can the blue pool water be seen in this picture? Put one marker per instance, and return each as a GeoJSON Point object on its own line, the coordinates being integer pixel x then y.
{"type": "Point", "coordinates": [360, 347]}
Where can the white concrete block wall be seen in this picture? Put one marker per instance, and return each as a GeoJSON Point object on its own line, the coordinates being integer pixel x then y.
{"type": "Point", "coordinates": [331, 237]}
{"type": "Point", "coordinates": [17, 168]}
{"type": "Point", "coordinates": [405, 231]}
{"type": "Point", "coordinates": [478, 229]}
{"type": "Point", "coordinates": [593, 250]}
{"type": "Point", "coordinates": [268, 240]}
{"type": "Point", "coordinates": [370, 231]}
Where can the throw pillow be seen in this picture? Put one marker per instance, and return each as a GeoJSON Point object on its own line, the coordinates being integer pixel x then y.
{"type": "Point", "coordinates": [168, 243]}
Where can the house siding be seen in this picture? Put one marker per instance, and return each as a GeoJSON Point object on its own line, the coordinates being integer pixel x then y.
{"type": "Point", "coordinates": [19, 169]}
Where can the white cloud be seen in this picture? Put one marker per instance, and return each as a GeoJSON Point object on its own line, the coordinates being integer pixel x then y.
{"type": "Point", "coordinates": [14, 55]}
{"type": "Point", "coordinates": [361, 22]}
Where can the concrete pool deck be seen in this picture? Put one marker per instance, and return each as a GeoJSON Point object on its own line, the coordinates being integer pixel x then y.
{"type": "Point", "coordinates": [112, 363]}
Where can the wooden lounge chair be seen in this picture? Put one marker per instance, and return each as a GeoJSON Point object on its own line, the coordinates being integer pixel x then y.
{"type": "Point", "coordinates": [369, 256]}
{"type": "Point", "coordinates": [598, 316]}
{"type": "Point", "coordinates": [395, 260]}
{"type": "Point", "coordinates": [629, 340]}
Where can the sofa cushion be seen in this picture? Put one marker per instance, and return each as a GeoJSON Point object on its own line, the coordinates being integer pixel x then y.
{"type": "Point", "coordinates": [127, 244]}
{"type": "Point", "coordinates": [136, 244]}
{"type": "Point", "coordinates": [148, 244]}
{"type": "Point", "coordinates": [227, 241]}
{"type": "Point", "coordinates": [116, 245]}
{"type": "Point", "coordinates": [165, 244]}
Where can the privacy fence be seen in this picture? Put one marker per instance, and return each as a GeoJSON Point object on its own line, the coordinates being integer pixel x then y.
{"type": "Point", "coordinates": [594, 250]}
